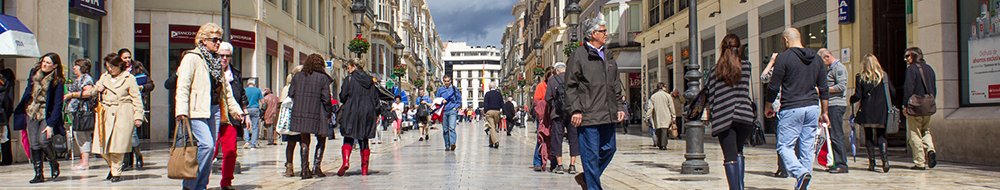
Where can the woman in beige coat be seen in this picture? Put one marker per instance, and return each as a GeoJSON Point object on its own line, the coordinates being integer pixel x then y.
{"type": "Point", "coordinates": [123, 112]}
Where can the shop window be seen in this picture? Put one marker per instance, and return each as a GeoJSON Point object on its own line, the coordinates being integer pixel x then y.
{"type": "Point", "coordinates": [976, 51]}
{"type": "Point", "coordinates": [814, 35]}
{"type": "Point", "coordinates": [84, 35]}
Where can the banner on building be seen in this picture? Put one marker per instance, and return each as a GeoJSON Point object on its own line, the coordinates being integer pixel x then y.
{"type": "Point", "coordinates": [984, 70]}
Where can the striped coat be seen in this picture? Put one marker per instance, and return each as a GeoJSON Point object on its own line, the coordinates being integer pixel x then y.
{"type": "Point", "coordinates": [728, 104]}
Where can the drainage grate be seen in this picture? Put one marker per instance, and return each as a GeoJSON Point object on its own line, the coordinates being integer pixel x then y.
{"type": "Point", "coordinates": [692, 179]}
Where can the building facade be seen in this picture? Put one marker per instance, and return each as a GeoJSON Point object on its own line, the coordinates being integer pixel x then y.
{"type": "Point", "coordinates": [472, 69]}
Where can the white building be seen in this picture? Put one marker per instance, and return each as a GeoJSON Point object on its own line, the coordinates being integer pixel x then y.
{"type": "Point", "coordinates": [470, 67]}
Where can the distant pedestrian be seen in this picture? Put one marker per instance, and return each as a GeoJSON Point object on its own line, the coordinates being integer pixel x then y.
{"type": "Point", "coordinates": [836, 79]}
{"type": "Point", "coordinates": [731, 109]}
{"type": "Point", "coordinates": [543, 146]}
{"type": "Point", "coordinates": [870, 89]}
{"type": "Point", "coordinates": [311, 89]}
{"type": "Point", "coordinates": [679, 102]}
{"type": "Point", "coordinates": [397, 124]}
{"type": "Point", "coordinates": [120, 96]}
{"type": "Point", "coordinates": [254, 95]}
{"type": "Point", "coordinates": [493, 102]}
{"type": "Point", "coordinates": [270, 114]}
{"type": "Point", "coordinates": [357, 117]}
{"type": "Point", "coordinates": [81, 107]}
{"type": "Point", "coordinates": [555, 94]}
{"type": "Point", "coordinates": [509, 113]}
{"type": "Point", "coordinates": [451, 101]}
{"type": "Point", "coordinates": [424, 109]}
{"type": "Point", "coordinates": [661, 112]}
{"type": "Point", "coordinates": [801, 76]}
{"type": "Point", "coordinates": [593, 98]}
{"type": "Point", "coordinates": [920, 82]}
{"type": "Point", "coordinates": [201, 73]}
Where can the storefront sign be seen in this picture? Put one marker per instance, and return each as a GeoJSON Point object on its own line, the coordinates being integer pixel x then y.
{"type": "Point", "coordinates": [272, 47]}
{"type": "Point", "coordinates": [302, 58]}
{"type": "Point", "coordinates": [92, 6]}
{"type": "Point", "coordinates": [845, 11]}
{"type": "Point", "coordinates": [984, 70]}
{"type": "Point", "coordinates": [186, 35]}
{"type": "Point", "coordinates": [329, 65]}
{"type": "Point", "coordinates": [142, 33]}
{"type": "Point", "coordinates": [634, 80]}
{"type": "Point", "coordinates": [845, 55]}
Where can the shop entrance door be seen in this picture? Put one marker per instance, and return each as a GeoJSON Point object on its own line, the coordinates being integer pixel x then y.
{"type": "Point", "coordinates": [889, 37]}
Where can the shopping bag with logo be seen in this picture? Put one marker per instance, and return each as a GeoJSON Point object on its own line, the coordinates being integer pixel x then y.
{"type": "Point", "coordinates": [284, 115]}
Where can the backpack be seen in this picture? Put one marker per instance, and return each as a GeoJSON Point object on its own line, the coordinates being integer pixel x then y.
{"type": "Point", "coordinates": [560, 95]}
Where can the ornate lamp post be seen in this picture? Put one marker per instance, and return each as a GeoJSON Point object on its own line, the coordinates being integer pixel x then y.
{"type": "Point", "coordinates": [358, 11]}
{"type": "Point", "coordinates": [538, 53]}
{"type": "Point", "coordinates": [399, 52]}
{"type": "Point", "coordinates": [695, 150]}
{"type": "Point", "coordinates": [573, 15]}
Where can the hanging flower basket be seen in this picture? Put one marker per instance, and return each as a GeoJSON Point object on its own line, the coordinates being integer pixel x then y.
{"type": "Point", "coordinates": [538, 70]}
{"type": "Point", "coordinates": [430, 88]}
{"type": "Point", "coordinates": [511, 88]}
{"type": "Point", "coordinates": [418, 82]}
{"type": "Point", "coordinates": [568, 50]}
{"type": "Point", "coordinates": [359, 45]}
{"type": "Point", "coordinates": [521, 81]}
{"type": "Point", "coordinates": [399, 70]}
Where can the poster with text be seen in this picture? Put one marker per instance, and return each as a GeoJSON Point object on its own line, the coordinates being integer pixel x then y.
{"type": "Point", "coordinates": [984, 70]}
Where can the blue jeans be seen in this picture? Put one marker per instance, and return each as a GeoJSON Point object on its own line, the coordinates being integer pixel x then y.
{"type": "Point", "coordinates": [448, 127]}
{"type": "Point", "coordinates": [251, 137]}
{"type": "Point", "coordinates": [205, 131]}
{"type": "Point", "coordinates": [538, 158]}
{"type": "Point", "coordinates": [798, 126]}
{"type": "Point", "coordinates": [597, 147]}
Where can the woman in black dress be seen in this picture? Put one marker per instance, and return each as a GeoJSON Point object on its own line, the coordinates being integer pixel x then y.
{"type": "Point", "coordinates": [310, 90]}
{"type": "Point", "coordinates": [360, 98]}
{"type": "Point", "coordinates": [870, 90]}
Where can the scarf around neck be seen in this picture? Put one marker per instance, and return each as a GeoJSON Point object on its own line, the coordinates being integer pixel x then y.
{"type": "Point", "coordinates": [214, 66]}
{"type": "Point", "coordinates": [39, 91]}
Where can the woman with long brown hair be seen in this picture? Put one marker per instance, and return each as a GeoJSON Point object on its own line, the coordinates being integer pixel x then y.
{"type": "Point", "coordinates": [40, 112]}
{"type": "Point", "coordinates": [731, 109]}
{"type": "Point", "coordinates": [870, 90]}
{"type": "Point", "coordinates": [310, 90]}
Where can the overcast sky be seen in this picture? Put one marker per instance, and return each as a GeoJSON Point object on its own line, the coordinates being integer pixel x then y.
{"type": "Point", "coordinates": [478, 22]}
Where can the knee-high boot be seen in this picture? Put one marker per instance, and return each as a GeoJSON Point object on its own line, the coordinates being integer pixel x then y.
{"type": "Point", "coordinates": [304, 149]}
{"type": "Point", "coordinates": [345, 152]}
{"type": "Point", "coordinates": [36, 163]}
{"type": "Point", "coordinates": [289, 154]}
{"type": "Point", "coordinates": [53, 163]}
{"type": "Point", "coordinates": [364, 161]}
{"type": "Point", "coordinates": [732, 175]}
{"type": "Point", "coordinates": [320, 149]}
{"type": "Point", "coordinates": [885, 161]}
{"type": "Point", "coordinates": [138, 157]}
{"type": "Point", "coordinates": [127, 162]}
{"type": "Point", "coordinates": [870, 146]}
{"type": "Point", "coordinates": [742, 170]}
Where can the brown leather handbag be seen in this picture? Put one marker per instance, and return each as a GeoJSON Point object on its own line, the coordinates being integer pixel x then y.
{"type": "Point", "coordinates": [921, 105]}
{"type": "Point", "coordinates": [183, 163]}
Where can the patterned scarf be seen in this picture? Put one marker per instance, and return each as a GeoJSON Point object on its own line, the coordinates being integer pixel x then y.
{"type": "Point", "coordinates": [39, 91]}
{"type": "Point", "coordinates": [214, 66]}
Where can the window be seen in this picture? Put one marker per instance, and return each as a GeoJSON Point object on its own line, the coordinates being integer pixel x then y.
{"type": "Point", "coordinates": [284, 5]}
{"type": "Point", "coordinates": [668, 9]}
{"type": "Point", "coordinates": [611, 16]}
{"type": "Point", "coordinates": [301, 10]}
{"type": "Point", "coordinates": [634, 16]}
{"type": "Point", "coordinates": [312, 14]}
{"type": "Point", "coordinates": [271, 1]}
{"type": "Point", "coordinates": [322, 16]}
{"type": "Point", "coordinates": [681, 5]}
{"type": "Point", "coordinates": [654, 13]}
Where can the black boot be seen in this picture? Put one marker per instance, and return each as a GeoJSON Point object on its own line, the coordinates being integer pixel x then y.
{"type": "Point", "coordinates": [53, 162]}
{"type": "Point", "coordinates": [36, 163]}
{"type": "Point", "coordinates": [127, 162]}
{"type": "Point", "coordinates": [733, 175]}
{"type": "Point", "coordinates": [871, 155]}
{"type": "Point", "coordinates": [885, 161]}
{"type": "Point", "coordinates": [320, 148]}
{"type": "Point", "coordinates": [743, 169]}
{"type": "Point", "coordinates": [304, 154]}
{"type": "Point", "coordinates": [138, 157]}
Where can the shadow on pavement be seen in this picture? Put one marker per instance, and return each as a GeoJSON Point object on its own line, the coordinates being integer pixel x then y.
{"type": "Point", "coordinates": [649, 164]}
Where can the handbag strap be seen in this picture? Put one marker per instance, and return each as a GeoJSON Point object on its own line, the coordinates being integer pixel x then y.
{"type": "Point", "coordinates": [885, 84]}
{"type": "Point", "coordinates": [923, 80]}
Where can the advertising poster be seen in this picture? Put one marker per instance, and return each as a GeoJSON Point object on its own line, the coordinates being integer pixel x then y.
{"type": "Point", "coordinates": [984, 57]}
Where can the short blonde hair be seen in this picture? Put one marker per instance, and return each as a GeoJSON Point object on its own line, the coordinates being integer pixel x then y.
{"type": "Point", "coordinates": [206, 30]}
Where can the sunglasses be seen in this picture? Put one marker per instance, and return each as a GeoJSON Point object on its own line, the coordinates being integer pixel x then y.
{"type": "Point", "coordinates": [225, 56]}
{"type": "Point", "coordinates": [601, 31]}
{"type": "Point", "coordinates": [215, 39]}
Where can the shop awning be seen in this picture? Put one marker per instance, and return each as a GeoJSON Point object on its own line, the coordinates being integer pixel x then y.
{"type": "Point", "coordinates": [16, 41]}
{"type": "Point", "coordinates": [629, 62]}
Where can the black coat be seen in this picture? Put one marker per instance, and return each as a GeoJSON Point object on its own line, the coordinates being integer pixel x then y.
{"type": "Point", "coordinates": [873, 109]}
{"type": "Point", "coordinates": [593, 87]}
{"type": "Point", "coordinates": [53, 106]}
{"type": "Point", "coordinates": [508, 110]}
{"type": "Point", "coordinates": [360, 99]}
{"type": "Point", "coordinates": [312, 109]}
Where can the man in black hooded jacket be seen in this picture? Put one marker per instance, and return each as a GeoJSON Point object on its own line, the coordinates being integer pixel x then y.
{"type": "Point", "coordinates": [800, 74]}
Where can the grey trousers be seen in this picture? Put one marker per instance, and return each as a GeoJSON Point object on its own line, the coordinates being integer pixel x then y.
{"type": "Point", "coordinates": [35, 135]}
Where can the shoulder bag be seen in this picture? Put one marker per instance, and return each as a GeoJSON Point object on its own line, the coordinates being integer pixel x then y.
{"type": "Point", "coordinates": [892, 117]}
{"type": "Point", "coordinates": [284, 117]}
{"type": "Point", "coordinates": [921, 105]}
{"type": "Point", "coordinates": [757, 135]}
{"type": "Point", "coordinates": [183, 163]}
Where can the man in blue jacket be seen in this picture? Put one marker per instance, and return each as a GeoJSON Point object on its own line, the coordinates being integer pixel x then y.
{"type": "Point", "coordinates": [452, 100]}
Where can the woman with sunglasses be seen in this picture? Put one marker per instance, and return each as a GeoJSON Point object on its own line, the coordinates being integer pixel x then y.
{"type": "Point", "coordinates": [123, 112]}
{"type": "Point", "coordinates": [137, 69]}
{"type": "Point", "coordinates": [202, 96]}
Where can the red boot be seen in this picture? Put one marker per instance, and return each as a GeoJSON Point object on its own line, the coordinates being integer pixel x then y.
{"type": "Point", "coordinates": [364, 161]}
{"type": "Point", "coordinates": [346, 152]}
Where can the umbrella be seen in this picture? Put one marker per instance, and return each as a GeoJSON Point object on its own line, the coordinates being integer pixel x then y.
{"type": "Point", "coordinates": [16, 41]}
{"type": "Point", "coordinates": [854, 147]}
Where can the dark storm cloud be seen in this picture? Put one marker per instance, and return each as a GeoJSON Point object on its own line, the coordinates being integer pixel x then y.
{"type": "Point", "coordinates": [478, 22]}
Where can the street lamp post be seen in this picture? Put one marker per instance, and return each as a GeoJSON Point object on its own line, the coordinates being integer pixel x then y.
{"type": "Point", "coordinates": [358, 11]}
{"type": "Point", "coordinates": [695, 150]}
{"type": "Point", "coordinates": [399, 52]}
{"type": "Point", "coordinates": [538, 53]}
{"type": "Point", "coordinates": [573, 14]}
